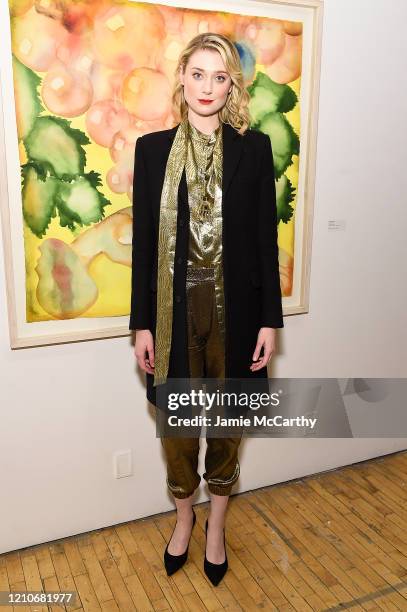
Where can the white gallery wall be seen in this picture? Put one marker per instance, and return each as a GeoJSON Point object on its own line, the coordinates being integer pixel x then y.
{"type": "Point", "coordinates": [66, 409]}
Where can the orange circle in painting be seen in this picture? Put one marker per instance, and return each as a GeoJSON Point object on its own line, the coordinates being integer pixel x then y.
{"type": "Point", "coordinates": [146, 93]}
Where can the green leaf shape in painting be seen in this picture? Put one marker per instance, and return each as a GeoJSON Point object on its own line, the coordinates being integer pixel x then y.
{"type": "Point", "coordinates": [284, 140]}
{"type": "Point", "coordinates": [284, 195]}
{"type": "Point", "coordinates": [94, 178]}
{"type": "Point", "coordinates": [27, 100]}
{"type": "Point", "coordinates": [79, 202]}
{"type": "Point", "coordinates": [267, 96]}
{"type": "Point", "coordinates": [39, 198]}
{"type": "Point", "coordinates": [52, 141]}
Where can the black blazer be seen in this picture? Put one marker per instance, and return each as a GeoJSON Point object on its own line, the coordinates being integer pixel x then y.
{"type": "Point", "coordinates": [249, 247]}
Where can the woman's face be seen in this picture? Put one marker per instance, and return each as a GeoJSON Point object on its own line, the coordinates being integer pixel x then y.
{"type": "Point", "coordinates": [205, 78]}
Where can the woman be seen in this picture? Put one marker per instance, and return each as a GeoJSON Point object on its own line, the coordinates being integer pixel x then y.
{"type": "Point", "coordinates": [206, 297]}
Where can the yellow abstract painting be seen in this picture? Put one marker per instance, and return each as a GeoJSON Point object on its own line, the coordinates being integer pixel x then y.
{"type": "Point", "coordinates": [90, 77]}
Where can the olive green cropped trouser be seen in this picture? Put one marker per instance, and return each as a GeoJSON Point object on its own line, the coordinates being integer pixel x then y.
{"type": "Point", "coordinates": [206, 358]}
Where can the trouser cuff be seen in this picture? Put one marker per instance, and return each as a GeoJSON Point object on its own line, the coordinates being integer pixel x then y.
{"type": "Point", "coordinates": [218, 486]}
{"type": "Point", "coordinates": [180, 492]}
{"type": "Point", "coordinates": [217, 490]}
{"type": "Point", "coordinates": [180, 495]}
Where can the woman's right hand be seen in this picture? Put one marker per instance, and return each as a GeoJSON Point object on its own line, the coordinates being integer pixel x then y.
{"type": "Point", "coordinates": [144, 344]}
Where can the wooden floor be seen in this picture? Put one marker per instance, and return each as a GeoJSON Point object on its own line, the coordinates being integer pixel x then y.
{"type": "Point", "coordinates": [333, 541]}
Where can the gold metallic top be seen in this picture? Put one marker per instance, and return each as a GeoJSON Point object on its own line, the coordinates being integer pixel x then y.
{"type": "Point", "coordinates": [202, 190]}
{"type": "Point", "coordinates": [204, 168]}
{"type": "Point", "coordinates": [202, 157]}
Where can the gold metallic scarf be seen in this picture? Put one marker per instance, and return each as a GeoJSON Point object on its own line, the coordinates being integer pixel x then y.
{"type": "Point", "coordinates": [180, 157]}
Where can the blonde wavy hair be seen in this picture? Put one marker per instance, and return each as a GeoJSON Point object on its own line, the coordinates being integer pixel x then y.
{"type": "Point", "coordinates": [235, 112]}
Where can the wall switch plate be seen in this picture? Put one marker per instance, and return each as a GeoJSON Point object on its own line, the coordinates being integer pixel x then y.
{"type": "Point", "coordinates": [122, 464]}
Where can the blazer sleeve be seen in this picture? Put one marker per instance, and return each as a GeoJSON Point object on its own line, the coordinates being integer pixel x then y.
{"type": "Point", "coordinates": [142, 245]}
{"type": "Point", "coordinates": [272, 312]}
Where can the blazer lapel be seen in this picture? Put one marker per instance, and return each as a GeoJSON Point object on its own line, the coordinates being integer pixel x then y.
{"type": "Point", "coordinates": [232, 150]}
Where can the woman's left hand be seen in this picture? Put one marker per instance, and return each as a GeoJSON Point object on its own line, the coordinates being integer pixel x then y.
{"type": "Point", "coordinates": [266, 338]}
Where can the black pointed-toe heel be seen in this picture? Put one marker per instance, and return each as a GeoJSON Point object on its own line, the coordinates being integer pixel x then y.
{"type": "Point", "coordinates": [215, 571]}
{"type": "Point", "coordinates": [175, 562]}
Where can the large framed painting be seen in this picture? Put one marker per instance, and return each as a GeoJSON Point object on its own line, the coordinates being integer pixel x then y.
{"type": "Point", "coordinates": [81, 80]}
